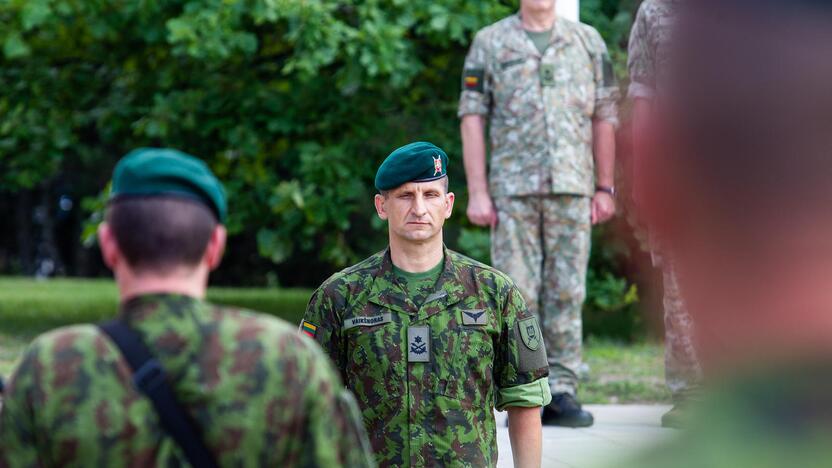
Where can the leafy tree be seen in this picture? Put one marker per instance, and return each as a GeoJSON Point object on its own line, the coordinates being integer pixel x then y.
{"type": "Point", "coordinates": [292, 102]}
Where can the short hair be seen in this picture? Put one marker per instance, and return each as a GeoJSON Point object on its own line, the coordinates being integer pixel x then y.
{"type": "Point", "coordinates": [157, 233]}
{"type": "Point", "coordinates": [447, 184]}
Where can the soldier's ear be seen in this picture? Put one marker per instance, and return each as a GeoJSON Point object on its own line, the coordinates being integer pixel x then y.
{"type": "Point", "coordinates": [216, 247]}
{"type": "Point", "coordinates": [110, 252]}
{"type": "Point", "coordinates": [379, 202]}
{"type": "Point", "coordinates": [449, 209]}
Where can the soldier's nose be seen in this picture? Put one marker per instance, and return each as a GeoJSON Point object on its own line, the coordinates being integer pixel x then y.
{"type": "Point", "coordinates": [419, 207]}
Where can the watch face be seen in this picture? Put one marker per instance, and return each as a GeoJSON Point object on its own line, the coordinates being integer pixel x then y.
{"type": "Point", "coordinates": [609, 190]}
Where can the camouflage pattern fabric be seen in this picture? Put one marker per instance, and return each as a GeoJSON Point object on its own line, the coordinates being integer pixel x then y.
{"type": "Point", "coordinates": [428, 378]}
{"type": "Point", "coordinates": [543, 244]}
{"type": "Point", "coordinates": [649, 42]}
{"type": "Point", "coordinates": [648, 57]}
{"type": "Point", "coordinates": [262, 395]}
{"type": "Point", "coordinates": [682, 370]}
{"type": "Point", "coordinates": [540, 108]}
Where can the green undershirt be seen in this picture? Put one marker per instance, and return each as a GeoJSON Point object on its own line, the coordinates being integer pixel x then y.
{"type": "Point", "coordinates": [540, 39]}
{"type": "Point", "coordinates": [419, 285]}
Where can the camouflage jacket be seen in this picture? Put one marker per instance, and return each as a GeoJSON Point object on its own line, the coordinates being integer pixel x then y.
{"type": "Point", "coordinates": [649, 43]}
{"type": "Point", "coordinates": [262, 395]}
{"type": "Point", "coordinates": [540, 108]}
{"type": "Point", "coordinates": [428, 378]}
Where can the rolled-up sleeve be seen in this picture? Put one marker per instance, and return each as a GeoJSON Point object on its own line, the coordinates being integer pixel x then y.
{"type": "Point", "coordinates": [521, 368]}
{"type": "Point", "coordinates": [528, 395]}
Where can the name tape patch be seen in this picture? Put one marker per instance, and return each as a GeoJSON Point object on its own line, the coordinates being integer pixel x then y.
{"type": "Point", "coordinates": [367, 321]}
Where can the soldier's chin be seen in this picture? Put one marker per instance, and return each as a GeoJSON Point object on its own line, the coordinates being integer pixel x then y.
{"type": "Point", "coordinates": [419, 234]}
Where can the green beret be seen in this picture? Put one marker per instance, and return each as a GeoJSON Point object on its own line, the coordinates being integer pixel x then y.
{"type": "Point", "coordinates": [416, 162]}
{"type": "Point", "coordinates": [168, 172]}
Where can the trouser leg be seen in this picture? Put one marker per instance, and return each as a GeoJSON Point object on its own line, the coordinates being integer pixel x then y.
{"type": "Point", "coordinates": [682, 369]}
{"type": "Point", "coordinates": [515, 245]}
{"type": "Point", "coordinates": [566, 234]}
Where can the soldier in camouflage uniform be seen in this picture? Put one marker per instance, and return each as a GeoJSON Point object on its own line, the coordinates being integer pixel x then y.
{"type": "Point", "coordinates": [546, 88]}
{"type": "Point", "coordinates": [431, 342]}
{"type": "Point", "coordinates": [648, 57]}
{"type": "Point", "coordinates": [261, 394]}
{"type": "Point", "coordinates": [743, 165]}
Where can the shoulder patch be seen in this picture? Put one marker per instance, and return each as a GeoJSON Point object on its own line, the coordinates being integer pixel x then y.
{"type": "Point", "coordinates": [473, 80]}
{"type": "Point", "coordinates": [609, 72]}
{"type": "Point", "coordinates": [530, 333]}
{"type": "Point", "coordinates": [309, 329]}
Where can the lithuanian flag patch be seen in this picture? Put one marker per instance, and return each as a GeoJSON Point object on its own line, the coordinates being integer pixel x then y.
{"type": "Point", "coordinates": [472, 79]}
{"type": "Point", "coordinates": [308, 329]}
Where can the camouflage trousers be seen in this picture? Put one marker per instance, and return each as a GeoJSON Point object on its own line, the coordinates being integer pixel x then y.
{"type": "Point", "coordinates": [542, 243]}
{"type": "Point", "coordinates": [681, 367]}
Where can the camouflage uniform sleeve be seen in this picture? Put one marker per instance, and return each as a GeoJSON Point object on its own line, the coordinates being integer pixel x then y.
{"type": "Point", "coordinates": [19, 444]}
{"type": "Point", "coordinates": [321, 323]}
{"type": "Point", "coordinates": [641, 61]}
{"type": "Point", "coordinates": [606, 84]}
{"type": "Point", "coordinates": [334, 422]}
{"type": "Point", "coordinates": [521, 367]}
{"type": "Point", "coordinates": [476, 80]}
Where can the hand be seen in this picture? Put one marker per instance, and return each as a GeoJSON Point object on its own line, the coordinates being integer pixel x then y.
{"type": "Point", "coordinates": [481, 210]}
{"type": "Point", "coordinates": [603, 207]}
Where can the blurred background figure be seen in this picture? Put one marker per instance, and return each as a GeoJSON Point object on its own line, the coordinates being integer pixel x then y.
{"type": "Point", "coordinates": [648, 57]}
{"type": "Point", "coordinates": [740, 197]}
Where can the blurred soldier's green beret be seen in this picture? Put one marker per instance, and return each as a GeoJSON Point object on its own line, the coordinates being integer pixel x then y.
{"type": "Point", "coordinates": [416, 162]}
{"type": "Point", "coordinates": [168, 172]}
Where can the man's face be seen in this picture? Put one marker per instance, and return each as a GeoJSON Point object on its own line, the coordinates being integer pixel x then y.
{"type": "Point", "coordinates": [538, 5]}
{"type": "Point", "coordinates": [416, 211]}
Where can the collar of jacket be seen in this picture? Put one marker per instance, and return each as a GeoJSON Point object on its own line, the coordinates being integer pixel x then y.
{"type": "Point", "coordinates": [387, 292]}
{"type": "Point", "coordinates": [521, 42]}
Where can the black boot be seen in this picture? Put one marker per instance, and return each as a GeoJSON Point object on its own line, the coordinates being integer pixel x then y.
{"type": "Point", "coordinates": [565, 411]}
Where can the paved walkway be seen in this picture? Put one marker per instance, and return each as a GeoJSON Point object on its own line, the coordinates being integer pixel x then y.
{"type": "Point", "coordinates": [619, 431]}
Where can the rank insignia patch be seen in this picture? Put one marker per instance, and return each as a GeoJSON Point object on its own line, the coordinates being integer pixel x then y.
{"type": "Point", "coordinates": [474, 317]}
{"type": "Point", "coordinates": [308, 329]}
{"type": "Point", "coordinates": [530, 333]}
{"type": "Point", "coordinates": [418, 344]}
{"type": "Point", "coordinates": [547, 74]}
{"type": "Point", "coordinates": [472, 81]}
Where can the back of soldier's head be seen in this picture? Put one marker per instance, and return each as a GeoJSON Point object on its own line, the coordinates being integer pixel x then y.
{"type": "Point", "coordinates": [164, 209]}
{"type": "Point", "coordinates": [158, 234]}
{"type": "Point", "coordinates": [747, 159]}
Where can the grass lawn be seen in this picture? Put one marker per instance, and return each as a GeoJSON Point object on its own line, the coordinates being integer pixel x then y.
{"type": "Point", "coordinates": [624, 373]}
{"type": "Point", "coordinates": [619, 373]}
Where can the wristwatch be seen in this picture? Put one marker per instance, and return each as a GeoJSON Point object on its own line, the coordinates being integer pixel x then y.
{"type": "Point", "coordinates": [605, 189]}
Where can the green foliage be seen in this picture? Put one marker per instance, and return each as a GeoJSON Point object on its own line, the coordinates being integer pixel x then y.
{"type": "Point", "coordinates": [292, 103]}
{"type": "Point", "coordinates": [613, 19]}
{"type": "Point", "coordinates": [611, 307]}
{"type": "Point", "coordinates": [31, 306]}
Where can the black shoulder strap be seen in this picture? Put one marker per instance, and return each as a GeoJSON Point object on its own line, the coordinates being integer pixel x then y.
{"type": "Point", "coordinates": [149, 377]}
